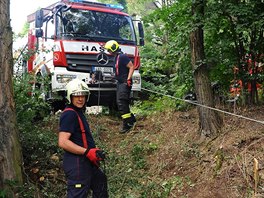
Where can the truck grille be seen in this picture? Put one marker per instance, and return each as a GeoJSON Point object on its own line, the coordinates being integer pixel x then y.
{"type": "Point", "coordinates": [85, 62]}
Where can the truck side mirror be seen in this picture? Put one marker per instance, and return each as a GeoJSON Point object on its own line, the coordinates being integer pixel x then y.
{"type": "Point", "coordinates": [39, 33]}
{"type": "Point", "coordinates": [39, 18]}
{"type": "Point", "coordinates": [141, 34]}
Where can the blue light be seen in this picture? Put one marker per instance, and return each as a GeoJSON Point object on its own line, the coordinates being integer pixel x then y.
{"type": "Point", "coordinates": [113, 6]}
{"type": "Point", "coordinates": [75, 1]}
{"type": "Point", "coordinates": [118, 6]}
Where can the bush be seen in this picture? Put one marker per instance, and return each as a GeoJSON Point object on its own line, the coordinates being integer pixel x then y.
{"type": "Point", "coordinates": [41, 155]}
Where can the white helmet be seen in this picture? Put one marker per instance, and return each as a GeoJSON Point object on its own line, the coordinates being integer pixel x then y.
{"type": "Point", "coordinates": [77, 87]}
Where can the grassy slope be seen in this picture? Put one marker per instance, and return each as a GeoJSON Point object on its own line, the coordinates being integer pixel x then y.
{"type": "Point", "coordinates": [163, 157]}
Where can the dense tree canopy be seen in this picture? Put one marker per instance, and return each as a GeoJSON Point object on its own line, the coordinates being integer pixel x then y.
{"type": "Point", "coordinates": [233, 33]}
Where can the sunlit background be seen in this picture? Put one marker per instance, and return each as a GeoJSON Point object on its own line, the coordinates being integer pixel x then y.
{"type": "Point", "coordinates": [19, 10]}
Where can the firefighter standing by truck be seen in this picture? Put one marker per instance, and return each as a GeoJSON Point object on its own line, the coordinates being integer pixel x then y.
{"type": "Point", "coordinates": [124, 70]}
{"type": "Point", "coordinates": [81, 158]}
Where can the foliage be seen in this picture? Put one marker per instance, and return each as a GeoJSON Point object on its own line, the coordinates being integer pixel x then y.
{"type": "Point", "coordinates": [39, 143]}
{"type": "Point", "coordinates": [30, 105]}
{"type": "Point", "coordinates": [139, 7]}
{"type": "Point", "coordinates": [131, 6]}
{"type": "Point", "coordinates": [158, 104]}
{"type": "Point", "coordinates": [231, 30]}
{"type": "Point", "coordinates": [166, 56]}
{"type": "Point", "coordinates": [11, 187]}
{"type": "Point", "coordinates": [23, 32]}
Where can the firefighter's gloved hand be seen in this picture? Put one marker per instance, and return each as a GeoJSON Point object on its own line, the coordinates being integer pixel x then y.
{"type": "Point", "coordinates": [95, 155]}
{"type": "Point", "coordinates": [129, 82]}
{"type": "Point", "coordinates": [100, 154]}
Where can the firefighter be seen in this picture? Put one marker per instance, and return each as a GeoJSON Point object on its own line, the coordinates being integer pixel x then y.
{"type": "Point", "coordinates": [81, 160]}
{"type": "Point", "coordinates": [124, 69]}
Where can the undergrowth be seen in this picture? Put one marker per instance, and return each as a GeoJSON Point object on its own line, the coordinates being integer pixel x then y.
{"type": "Point", "coordinates": [43, 174]}
{"type": "Point", "coordinates": [139, 165]}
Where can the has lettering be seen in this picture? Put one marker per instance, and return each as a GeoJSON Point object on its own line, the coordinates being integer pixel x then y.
{"type": "Point", "coordinates": [88, 48]}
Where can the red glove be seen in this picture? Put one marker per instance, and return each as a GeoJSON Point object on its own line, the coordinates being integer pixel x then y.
{"type": "Point", "coordinates": [129, 82]}
{"type": "Point", "coordinates": [94, 155]}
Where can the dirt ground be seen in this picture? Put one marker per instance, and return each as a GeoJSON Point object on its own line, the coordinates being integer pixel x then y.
{"type": "Point", "coordinates": [222, 167]}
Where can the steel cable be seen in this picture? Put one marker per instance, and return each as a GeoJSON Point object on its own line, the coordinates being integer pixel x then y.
{"type": "Point", "coordinates": [205, 106]}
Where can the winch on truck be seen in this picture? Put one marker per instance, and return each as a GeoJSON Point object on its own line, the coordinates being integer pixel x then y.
{"type": "Point", "coordinates": [67, 40]}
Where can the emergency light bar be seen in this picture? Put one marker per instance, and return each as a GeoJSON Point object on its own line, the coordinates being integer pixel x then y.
{"type": "Point", "coordinates": [118, 6]}
{"type": "Point", "coordinates": [113, 6]}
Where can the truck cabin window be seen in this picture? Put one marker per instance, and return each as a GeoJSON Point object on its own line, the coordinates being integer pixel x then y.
{"type": "Point", "coordinates": [50, 29]}
{"type": "Point", "coordinates": [95, 26]}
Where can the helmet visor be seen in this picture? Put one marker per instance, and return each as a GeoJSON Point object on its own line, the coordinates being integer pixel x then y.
{"type": "Point", "coordinates": [80, 93]}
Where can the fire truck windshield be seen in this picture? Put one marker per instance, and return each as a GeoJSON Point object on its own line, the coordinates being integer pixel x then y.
{"type": "Point", "coordinates": [95, 26]}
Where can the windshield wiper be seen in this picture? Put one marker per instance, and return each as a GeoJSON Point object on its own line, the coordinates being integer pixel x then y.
{"type": "Point", "coordinates": [78, 36]}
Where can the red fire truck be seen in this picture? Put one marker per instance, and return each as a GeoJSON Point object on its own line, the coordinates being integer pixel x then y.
{"type": "Point", "coordinates": [66, 40]}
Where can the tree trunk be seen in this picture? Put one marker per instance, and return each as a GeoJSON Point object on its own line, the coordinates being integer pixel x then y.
{"type": "Point", "coordinates": [10, 149]}
{"type": "Point", "coordinates": [209, 120]}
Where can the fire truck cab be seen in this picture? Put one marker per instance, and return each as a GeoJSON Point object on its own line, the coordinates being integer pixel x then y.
{"type": "Point", "coordinates": [67, 39]}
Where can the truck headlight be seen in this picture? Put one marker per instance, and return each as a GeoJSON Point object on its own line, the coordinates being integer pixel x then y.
{"type": "Point", "coordinates": [65, 78]}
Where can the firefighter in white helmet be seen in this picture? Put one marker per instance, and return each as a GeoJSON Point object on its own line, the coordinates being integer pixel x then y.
{"type": "Point", "coordinates": [77, 87]}
{"type": "Point", "coordinates": [124, 70]}
{"type": "Point", "coordinates": [81, 158]}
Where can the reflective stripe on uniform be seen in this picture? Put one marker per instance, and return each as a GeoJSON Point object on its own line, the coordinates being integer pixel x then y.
{"type": "Point", "coordinates": [127, 115]}
{"type": "Point", "coordinates": [78, 185]}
